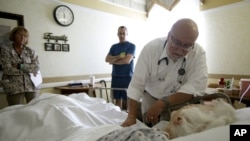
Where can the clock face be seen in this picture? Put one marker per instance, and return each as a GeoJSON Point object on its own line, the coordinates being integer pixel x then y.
{"type": "Point", "coordinates": [63, 15]}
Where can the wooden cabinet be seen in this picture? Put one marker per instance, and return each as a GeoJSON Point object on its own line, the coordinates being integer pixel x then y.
{"type": "Point", "coordinates": [67, 90]}
{"type": "Point", "coordinates": [90, 90]}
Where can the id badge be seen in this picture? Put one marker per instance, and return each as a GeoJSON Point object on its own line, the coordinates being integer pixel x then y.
{"type": "Point", "coordinates": [27, 60]}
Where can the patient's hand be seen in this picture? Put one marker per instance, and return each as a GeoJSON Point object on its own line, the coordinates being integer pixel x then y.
{"type": "Point", "coordinates": [129, 121]}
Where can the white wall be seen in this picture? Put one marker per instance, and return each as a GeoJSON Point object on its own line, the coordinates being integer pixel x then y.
{"type": "Point", "coordinates": [224, 33]}
{"type": "Point", "coordinates": [90, 36]}
{"type": "Point", "coordinates": [226, 38]}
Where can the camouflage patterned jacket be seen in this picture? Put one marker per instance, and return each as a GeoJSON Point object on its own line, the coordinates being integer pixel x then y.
{"type": "Point", "coordinates": [18, 80]}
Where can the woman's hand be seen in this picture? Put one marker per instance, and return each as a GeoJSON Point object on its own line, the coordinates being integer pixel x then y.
{"type": "Point", "coordinates": [35, 73]}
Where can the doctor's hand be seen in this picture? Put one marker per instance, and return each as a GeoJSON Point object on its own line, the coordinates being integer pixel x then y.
{"type": "Point", "coordinates": [129, 121]}
{"type": "Point", "coordinates": [153, 113]}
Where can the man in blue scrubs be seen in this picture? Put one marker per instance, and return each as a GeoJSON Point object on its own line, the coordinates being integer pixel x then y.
{"type": "Point", "coordinates": [121, 56]}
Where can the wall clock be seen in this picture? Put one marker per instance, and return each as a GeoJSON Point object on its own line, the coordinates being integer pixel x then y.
{"type": "Point", "coordinates": [63, 15]}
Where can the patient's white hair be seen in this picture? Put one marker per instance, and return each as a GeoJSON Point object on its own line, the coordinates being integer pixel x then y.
{"type": "Point", "coordinates": [197, 117]}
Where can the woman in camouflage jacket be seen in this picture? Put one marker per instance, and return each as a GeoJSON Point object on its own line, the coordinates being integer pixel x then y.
{"type": "Point", "coordinates": [18, 61]}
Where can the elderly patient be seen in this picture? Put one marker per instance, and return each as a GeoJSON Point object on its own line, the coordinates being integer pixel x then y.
{"type": "Point", "coordinates": [187, 120]}
{"type": "Point", "coordinates": [197, 117]}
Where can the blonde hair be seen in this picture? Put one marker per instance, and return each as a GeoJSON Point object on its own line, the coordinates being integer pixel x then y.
{"type": "Point", "coordinates": [17, 30]}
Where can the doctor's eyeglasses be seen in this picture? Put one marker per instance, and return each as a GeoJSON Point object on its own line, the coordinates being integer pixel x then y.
{"type": "Point", "coordinates": [178, 44]}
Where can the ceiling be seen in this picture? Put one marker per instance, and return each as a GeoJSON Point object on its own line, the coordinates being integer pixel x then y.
{"type": "Point", "coordinates": [139, 5]}
{"type": "Point", "coordinates": [144, 5]}
{"type": "Point", "coordinates": [140, 9]}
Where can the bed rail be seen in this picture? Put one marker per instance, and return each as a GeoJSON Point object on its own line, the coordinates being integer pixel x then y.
{"type": "Point", "coordinates": [195, 100]}
{"type": "Point", "coordinates": [201, 100]}
{"type": "Point", "coordinates": [108, 92]}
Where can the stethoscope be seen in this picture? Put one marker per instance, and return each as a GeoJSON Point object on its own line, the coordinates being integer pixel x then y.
{"type": "Point", "coordinates": [181, 71]}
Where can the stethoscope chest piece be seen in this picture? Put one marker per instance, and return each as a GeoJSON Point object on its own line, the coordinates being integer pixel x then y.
{"type": "Point", "coordinates": [181, 71]}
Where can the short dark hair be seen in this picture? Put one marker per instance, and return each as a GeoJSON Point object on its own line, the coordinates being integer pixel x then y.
{"type": "Point", "coordinates": [123, 27]}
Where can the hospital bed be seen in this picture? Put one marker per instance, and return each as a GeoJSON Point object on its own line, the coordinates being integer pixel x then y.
{"type": "Point", "coordinates": [106, 92]}
{"type": "Point", "coordinates": [79, 117]}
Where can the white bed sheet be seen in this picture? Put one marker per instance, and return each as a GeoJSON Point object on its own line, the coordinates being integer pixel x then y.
{"type": "Point", "coordinates": [78, 117]}
{"type": "Point", "coordinates": [53, 117]}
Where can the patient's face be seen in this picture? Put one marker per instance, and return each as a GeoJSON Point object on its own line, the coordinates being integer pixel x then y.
{"type": "Point", "coordinates": [179, 123]}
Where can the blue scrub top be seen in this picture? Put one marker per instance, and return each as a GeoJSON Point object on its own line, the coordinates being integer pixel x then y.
{"type": "Point", "coordinates": [125, 69]}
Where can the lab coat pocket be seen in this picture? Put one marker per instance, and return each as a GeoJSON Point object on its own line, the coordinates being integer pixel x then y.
{"type": "Point", "coordinates": [154, 81]}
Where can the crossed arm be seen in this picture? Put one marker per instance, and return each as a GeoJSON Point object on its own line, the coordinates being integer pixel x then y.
{"type": "Point", "coordinates": [119, 59]}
